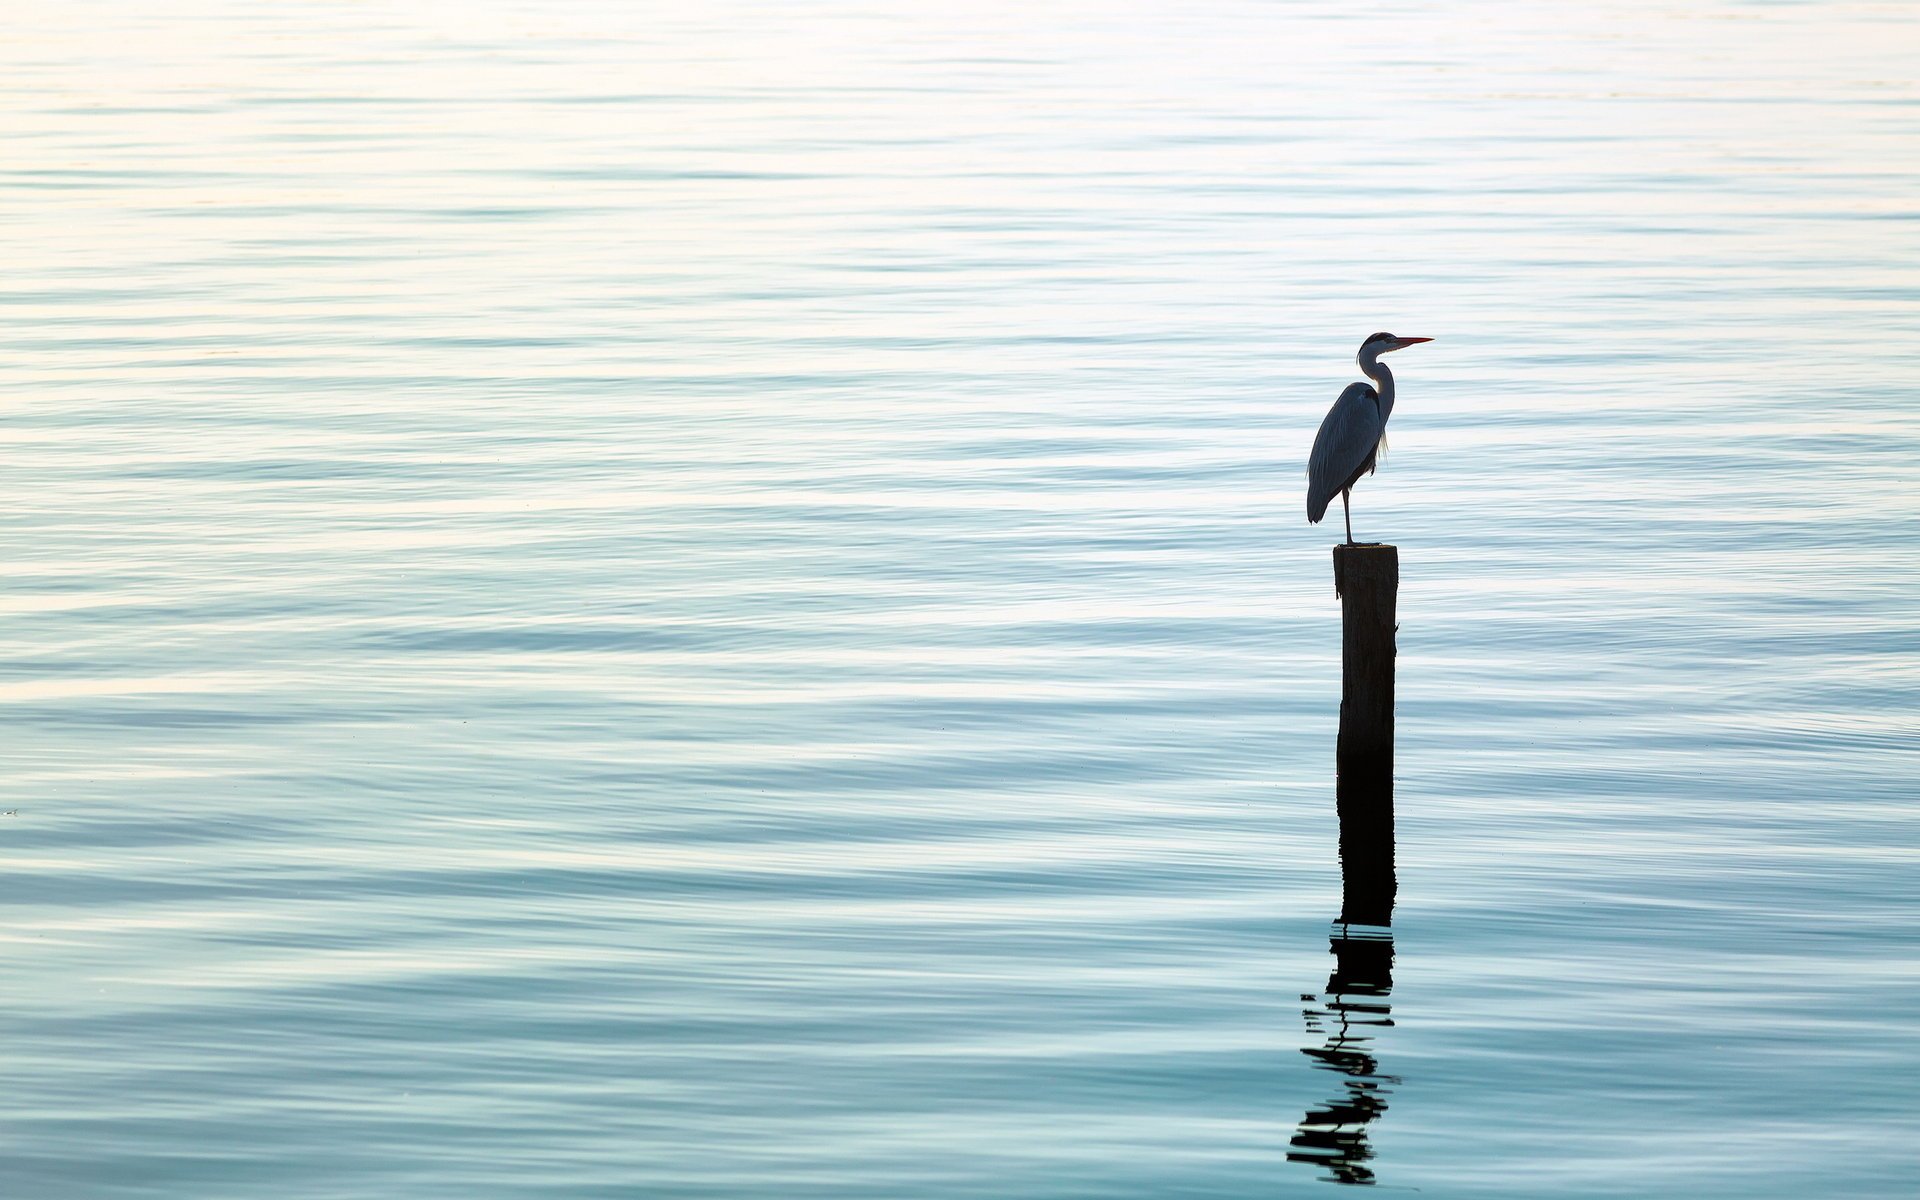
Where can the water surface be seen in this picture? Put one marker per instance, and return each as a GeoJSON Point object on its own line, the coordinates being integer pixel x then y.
{"type": "Point", "coordinates": [711, 601]}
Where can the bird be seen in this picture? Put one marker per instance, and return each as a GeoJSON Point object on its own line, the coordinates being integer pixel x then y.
{"type": "Point", "coordinates": [1354, 431]}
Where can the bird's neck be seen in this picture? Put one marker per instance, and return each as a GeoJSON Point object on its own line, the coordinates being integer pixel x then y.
{"type": "Point", "coordinates": [1377, 371]}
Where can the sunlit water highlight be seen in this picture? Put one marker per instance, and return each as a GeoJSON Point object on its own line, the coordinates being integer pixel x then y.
{"type": "Point", "coordinates": [711, 601]}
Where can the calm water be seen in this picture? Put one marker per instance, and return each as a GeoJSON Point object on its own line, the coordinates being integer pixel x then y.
{"type": "Point", "coordinates": [710, 601]}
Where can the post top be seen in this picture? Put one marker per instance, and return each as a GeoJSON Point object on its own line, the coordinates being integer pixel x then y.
{"type": "Point", "coordinates": [1364, 561]}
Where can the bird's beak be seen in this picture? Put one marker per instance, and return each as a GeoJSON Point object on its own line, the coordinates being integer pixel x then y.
{"type": "Point", "coordinates": [1405, 342]}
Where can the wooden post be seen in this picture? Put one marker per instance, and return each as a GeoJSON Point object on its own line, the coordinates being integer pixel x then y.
{"type": "Point", "coordinates": [1368, 581]}
{"type": "Point", "coordinates": [1355, 1004]}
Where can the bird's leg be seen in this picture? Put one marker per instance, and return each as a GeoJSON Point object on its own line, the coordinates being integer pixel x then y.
{"type": "Point", "coordinates": [1348, 514]}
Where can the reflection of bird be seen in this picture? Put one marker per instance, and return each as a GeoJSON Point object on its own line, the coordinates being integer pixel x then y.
{"type": "Point", "coordinates": [1351, 437]}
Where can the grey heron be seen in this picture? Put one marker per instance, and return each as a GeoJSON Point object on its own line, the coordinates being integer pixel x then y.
{"type": "Point", "coordinates": [1354, 432]}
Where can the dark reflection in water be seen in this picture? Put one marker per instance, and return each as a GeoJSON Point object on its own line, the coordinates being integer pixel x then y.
{"type": "Point", "coordinates": [1344, 1020]}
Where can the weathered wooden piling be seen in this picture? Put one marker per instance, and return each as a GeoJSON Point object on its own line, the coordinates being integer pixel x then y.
{"type": "Point", "coordinates": [1355, 1005]}
{"type": "Point", "coordinates": [1367, 579]}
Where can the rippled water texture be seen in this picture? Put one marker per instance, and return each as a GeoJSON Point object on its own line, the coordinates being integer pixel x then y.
{"type": "Point", "coordinates": [711, 601]}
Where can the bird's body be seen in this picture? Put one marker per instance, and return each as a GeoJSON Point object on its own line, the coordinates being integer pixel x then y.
{"type": "Point", "coordinates": [1347, 447]}
{"type": "Point", "coordinates": [1354, 431]}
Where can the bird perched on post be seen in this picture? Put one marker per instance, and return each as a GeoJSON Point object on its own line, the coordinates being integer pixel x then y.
{"type": "Point", "coordinates": [1354, 433]}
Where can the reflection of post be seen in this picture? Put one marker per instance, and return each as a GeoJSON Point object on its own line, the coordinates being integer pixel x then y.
{"type": "Point", "coordinates": [1334, 1136]}
{"type": "Point", "coordinates": [1354, 1005]}
{"type": "Point", "coordinates": [1355, 1002]}
{"type": "Point", "coordinates": [1368, 580]}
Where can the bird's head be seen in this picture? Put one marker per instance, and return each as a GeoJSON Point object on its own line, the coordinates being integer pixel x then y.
{"type": "Point", "coordinates": [1384, 343]}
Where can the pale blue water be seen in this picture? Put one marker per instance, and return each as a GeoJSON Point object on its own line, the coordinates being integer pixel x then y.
{"type": "Point", "coordinates": [711, 601]}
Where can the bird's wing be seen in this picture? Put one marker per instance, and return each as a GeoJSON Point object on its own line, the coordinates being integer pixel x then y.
{"type": "Point", "coordinates": [1347, 439]}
